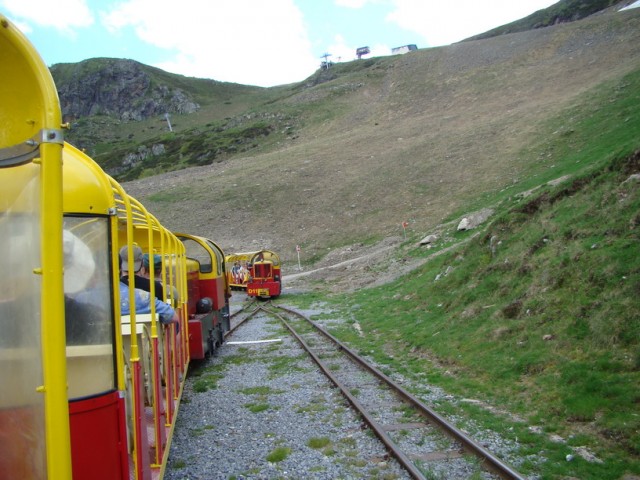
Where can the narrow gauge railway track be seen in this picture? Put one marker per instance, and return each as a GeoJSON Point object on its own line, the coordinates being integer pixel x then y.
{"type": "Point", "coordinates": [239, 317]}
{"type": "Point", "coordinates": [391, 411]}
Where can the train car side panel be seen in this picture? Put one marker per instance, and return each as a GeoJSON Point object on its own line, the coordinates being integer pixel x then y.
{"type": "Point", "coordinates": [208, 307]}
{"type": "Point", "coordinates": [100, 423]}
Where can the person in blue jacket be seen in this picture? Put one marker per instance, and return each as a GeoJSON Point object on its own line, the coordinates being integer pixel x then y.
{"type": "Point", "coordinates": [143, 301]}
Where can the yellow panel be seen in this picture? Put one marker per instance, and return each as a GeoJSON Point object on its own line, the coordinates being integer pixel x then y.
{"type": "Point", "coordinates": [252, 257]}
{"type": "Point", "coordinates": [86, 186]}
{"type": "Point", "coordinates": [27, 92]}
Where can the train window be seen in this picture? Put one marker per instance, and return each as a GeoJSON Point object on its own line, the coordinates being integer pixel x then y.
{"type": "Point", "coordinates": [21, 406]}
{"type": "Point", "coordinates": [88, 306]}
{"type": "Point", "coordinates": [197, 252]}
{"type": "Point", "coordinates": [262, 270]}
{"type": "Point", "coordinates": [219, 256]}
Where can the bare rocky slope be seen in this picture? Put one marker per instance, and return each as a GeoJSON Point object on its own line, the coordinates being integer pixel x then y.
{"type": "Point", "coordinates": [414, 138]}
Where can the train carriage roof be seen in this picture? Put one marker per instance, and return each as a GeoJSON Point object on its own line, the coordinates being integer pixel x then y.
{"type": "Point", "coordinates": [87, 188]}
{"type": "Point", "coordinates": [30, 113]}
{"type": "Point", "coordinates": [253, 257]}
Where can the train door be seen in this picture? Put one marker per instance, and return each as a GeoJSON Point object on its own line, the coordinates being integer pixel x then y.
{"type": "Point", "coordinates": [96, 409]}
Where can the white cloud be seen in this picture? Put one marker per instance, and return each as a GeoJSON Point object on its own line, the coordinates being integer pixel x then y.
{"type": "Point", "coordinates": [244, 41]}
{"type": "Point", "coordinates": [63, 15]}
{"type": "Point", "coordinates": [351, 3]}
{"type": "Point", "coordinates": [340, 51]}
{"type": "Point", "coordinates": [442, 23]}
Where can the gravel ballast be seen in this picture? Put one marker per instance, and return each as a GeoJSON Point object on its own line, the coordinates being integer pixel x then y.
{"type": "Point", "coordinates": [270, 399]}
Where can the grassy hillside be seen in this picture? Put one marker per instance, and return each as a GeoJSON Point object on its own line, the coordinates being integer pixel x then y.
{"type": "Point", "coordinates": [108, 138]}
{"type": "Point", "coordinates": [538, 314]}
{"type": "Point", "coordinates": [529, 322]}
{"type": "Point", "coordinates": [421, 138]}
{"type": "Point", "coordinates": [560, 12]}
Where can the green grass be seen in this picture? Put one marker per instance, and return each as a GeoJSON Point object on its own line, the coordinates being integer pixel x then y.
{"type": "Point", "coordinates": [318, 443]}
{"type": "Point", "coordinates": [257, 407]}
{"type": "Point", "coordinates": [178, 463]}
{"type": "Point", "coordinates": [260, 390]}
{"type": "Point", "coordinates": [282, 365]}
{"type": "Point", "coordinates": [196, 432]}
{"type": "Point", "coordinates": [206, 382]}
{"type": "Point", "coordinates": [279, 454]}
{"type": "Point", "coordinates": [546, 324]}
{"type": "Point", "coordinates": [206, 378]}
{"type": "Point", "coordinates": [315, 405]}
{"type": "Point", "coordinates": [549, 324]}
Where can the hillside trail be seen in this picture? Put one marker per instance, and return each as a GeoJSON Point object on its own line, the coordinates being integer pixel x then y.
{"type": "Point", "coordinates": [358, 266]}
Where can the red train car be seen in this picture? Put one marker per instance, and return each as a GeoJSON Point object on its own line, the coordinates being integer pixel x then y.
{"type": "Point", "coordinates": [209, 293]}
{"type": "Point", "coordinates": [256, 272]}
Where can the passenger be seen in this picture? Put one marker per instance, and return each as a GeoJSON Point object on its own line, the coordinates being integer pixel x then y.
{"type": "Point", "coordinates": [143, 301]}
{"type": "Point", "coordinates": [234, 272]}
{"type": "Point", "coordinates": [243, 274]}
{"type": "Point", "coordinates": [142, 280]}
{"type": "Point", "coordinates": [86, 318]}
{"type": "Point", "coordinates": [157, 267]}
{"type": "Point", "coordinates": [157, 273]}
{"type": "Point", "coordinates": [79, 265]}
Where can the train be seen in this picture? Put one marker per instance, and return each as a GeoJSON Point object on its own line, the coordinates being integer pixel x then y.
{"type": "Point", "coordinates": [257, 272]}
{"type": "Point", "coordinates": [209, 292]}
{"type": "Point", "coordinates": [92, 366]}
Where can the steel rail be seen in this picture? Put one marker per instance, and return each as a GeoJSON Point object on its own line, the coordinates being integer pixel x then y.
{"type": "Point", "coordinates": [243, 309]}
{"type": "Point", "coordinates": [382, 435]}
{"type": "Point", "coordinates": [490, 461]}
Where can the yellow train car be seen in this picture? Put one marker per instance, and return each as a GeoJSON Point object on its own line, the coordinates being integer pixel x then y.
{"type": "Point", "coordinates": [209, 294]}
{"type": "Point", "coordinates": [91, 367]}
{"type": "Point", "coordinates": [127, 348]}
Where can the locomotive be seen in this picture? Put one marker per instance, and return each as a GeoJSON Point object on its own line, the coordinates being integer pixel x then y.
{"type": "Point", "coordinates": [91, 368]}
{"type": "Point", "coordinates": [256, 272]}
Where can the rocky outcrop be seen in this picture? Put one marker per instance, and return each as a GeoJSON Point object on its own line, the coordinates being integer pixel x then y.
{"type": "Point", "coordinates": [124, 89]}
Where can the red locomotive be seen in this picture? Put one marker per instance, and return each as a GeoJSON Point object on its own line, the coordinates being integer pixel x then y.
{"type": "Point", "coordinates": [256, 272]}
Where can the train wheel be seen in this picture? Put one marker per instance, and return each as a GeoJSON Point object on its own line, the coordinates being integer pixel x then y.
{"type": "Point", "coordinates": [220, 334]}
{"type": "Point", "coordinates": [211, 343]}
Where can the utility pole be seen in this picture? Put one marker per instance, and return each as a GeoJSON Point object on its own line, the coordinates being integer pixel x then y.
{"type": "Point", "coordinates": [325, 64]}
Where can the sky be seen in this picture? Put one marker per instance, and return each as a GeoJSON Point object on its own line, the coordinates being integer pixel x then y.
{"type": "Point", "coordinates": [251, 42]}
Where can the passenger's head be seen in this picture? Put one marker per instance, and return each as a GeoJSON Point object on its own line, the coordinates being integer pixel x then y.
{"type": "Point", "coordinates": [136, 261]}
{"type": "Point", "coordinates": [79, 264]}
{"type": "Point", "coordinates": [157, 263]}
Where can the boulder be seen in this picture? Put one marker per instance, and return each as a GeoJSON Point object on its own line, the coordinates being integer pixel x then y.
{"type": "Point", "coordinates": [429, 239]}
{"type": "Point", "coordinates": [472, 220]}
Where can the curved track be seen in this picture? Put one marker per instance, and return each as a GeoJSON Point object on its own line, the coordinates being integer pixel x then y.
{"type": "Point", "coordinates": [240, 316]}
{"type": "Point", "coordinates": [392, 413]}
